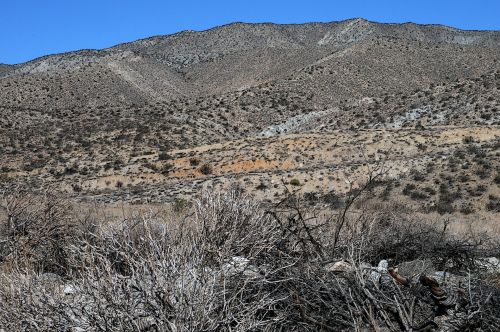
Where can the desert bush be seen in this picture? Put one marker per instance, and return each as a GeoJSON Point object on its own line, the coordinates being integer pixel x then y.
{"type": "Point", "coordinates": [194, 162]}
{"type": "Point", "coordinates": [164, 156]}
{"type": "Point", "coordinates": [493, 204]}
{"type": "Point", "coordinates": [416, 194]}
{"type": "Point", "coordinates": [232, 265]}
{"type": "Point", "coordinates": [418, 176]}
{"type": "Point", "coordinates": [180, 205]}
{"type": "Point", "coordinates": [333, 200]}
{"type": "Point", "coordinates": [36, 232]}
{"type": "Point", "coordinates": [444, 206]}
{"type": "Point", "coordinates": [468, 139]}
{"type": "Point", "coordinates": [206, 169]}
{"type": "Point", "coordinates": [166, 168]}
{"type": "Point", "coordinates": [467, 208]}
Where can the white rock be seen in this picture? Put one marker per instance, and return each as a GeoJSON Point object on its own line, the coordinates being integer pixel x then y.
{"type": "Point", "coordinates": [383, 265]}
{"type": "Point", "coordinates": [69, 289]}
{"type": "Point", "coordinates": [493, 261]}
{"type": "Point", "coordinates": [491, 264]}
{"type": "Point", "coordinates": [338, 267]}
{"type": "Point", "coordinates": [378, 271]}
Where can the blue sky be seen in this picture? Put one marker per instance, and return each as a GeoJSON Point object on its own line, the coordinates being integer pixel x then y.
{"type": "Point", "coordinates": [32, 28]}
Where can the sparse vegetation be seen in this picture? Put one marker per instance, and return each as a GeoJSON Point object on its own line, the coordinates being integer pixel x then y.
{"type": "Point", "coordinates": [206, 169]}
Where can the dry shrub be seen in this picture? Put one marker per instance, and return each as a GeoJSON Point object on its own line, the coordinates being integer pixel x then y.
{"type": "Point", "coordinates": [403, 238]}
{"type": "Point", "coordinates": [232, 225]}
{"type": "Point", "coordinates": [230, 265]}
{"type": "Point", "coordinates": [35, 233]}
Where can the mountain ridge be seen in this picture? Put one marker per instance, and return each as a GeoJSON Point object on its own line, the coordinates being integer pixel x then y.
{"type": "Point", "coordinates": [234, 24]}
{"type": "Point", "coordinates": [231, 58]}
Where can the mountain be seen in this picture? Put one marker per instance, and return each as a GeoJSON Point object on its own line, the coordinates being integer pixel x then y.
{"type": "Point", "coordinates": [163, 117]}
{"type": "Point", "coordinates": [5, 69]}
{"type": "Point", "coordinates": [239, 56]}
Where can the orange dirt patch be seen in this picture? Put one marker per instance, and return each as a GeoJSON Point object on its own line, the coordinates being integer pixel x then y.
{"type": "Point", "coordinates": [248, 166]}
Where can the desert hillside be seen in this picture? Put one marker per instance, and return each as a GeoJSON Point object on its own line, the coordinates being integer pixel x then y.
{"type": "Point", "coordinates": [259, 105]}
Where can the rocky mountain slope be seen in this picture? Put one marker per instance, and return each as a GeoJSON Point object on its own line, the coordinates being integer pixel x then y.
{"type": "Point", "coordinates": [238, 56]}
{"type": "Point", "coordinates": [260, 105]}
{"type": "Point", "coordinates": [5, 69]}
